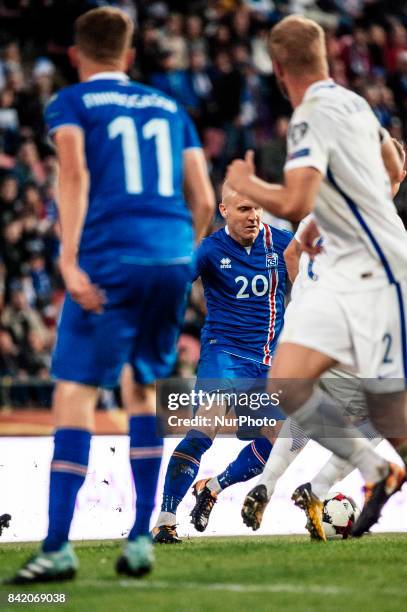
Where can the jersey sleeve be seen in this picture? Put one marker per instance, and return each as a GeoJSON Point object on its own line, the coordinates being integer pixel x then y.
{"type": "Point", "coordinates": [200, 261]}
{"type": "Point", "coordinates": [302, 226]}
{"type": "Point", "coordinates": [191, 138]}
{"type": "Point", "coordinates": [62, 110]}
{"type": "Point", "coordinates": [308, 142]}
{"type": "Point", "coordinates": [384, 135]}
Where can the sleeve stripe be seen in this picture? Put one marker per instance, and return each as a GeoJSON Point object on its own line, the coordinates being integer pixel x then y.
{"type": "Point", "coordinates": [300, 153]}
{"type": "Point", "coordinates": [61, 125]}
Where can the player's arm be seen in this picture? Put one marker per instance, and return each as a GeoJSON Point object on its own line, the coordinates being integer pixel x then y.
{"type": "Point", "coordinates": [72, 189]}
{"type": "Point", "coordinates": [198, 191]}
{"type": "Point", "coordinates": [72, 207]}
{"type": "Point", "coordinates": [292, 256]}
{"type": "Point", "coordinates": [293, 200]}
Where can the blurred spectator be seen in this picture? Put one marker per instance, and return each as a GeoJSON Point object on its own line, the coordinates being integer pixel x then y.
{"type": "Point", "coordinates": [12, 249]}
{"type": "Point", "coordinates": [173, 81]}
{"type": "Point", "coordinates": [377, 45]}
{"type": "Point", "coordinates": [148, 48]}
{"type": "Point", "coordinates": [35, 358]}
{"type": "Point", "coordinates": [9, 122]}
{"type": "Point", "coordinates": [397, 44]}
{"type": "Point", "coordinates": [374, 96]}
{"type": "Point", "coordinates": [227, 96]}
{"type": "Point", "coordinates": [398, 84]}
{"type": "Point", "coordinates": [29, 167]}
{"type": "Point", "coordinates": [40, 280]}
{"type": "Point", "coordinates": [273, 154]}
{"type": "Point", "coordinates": [240, 23]}
{"type": "Point", "coordinates": [201, 87]}
{"type": "Point", "coordinates": [339, 72]}
{"type": "Point", "coordinates": [9, 363]}
{"type": "Point", "coordinates": [20, 319]}
{"type": "Point", "coordinates": [260, 53]}
{"type": "Point", "coordinates": [32, 200]}
{"type": "Point", "coordinates": [175, 41]}
{"type": "Point", "coordinates": [356, 54]}
{"type": "Point", "coordinates": [195, 38]}
{"type": "Point", "coordinates": [10, 205]}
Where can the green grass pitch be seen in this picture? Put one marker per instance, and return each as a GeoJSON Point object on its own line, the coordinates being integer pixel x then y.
{"type": "Point", "coordinates": [253, 574]}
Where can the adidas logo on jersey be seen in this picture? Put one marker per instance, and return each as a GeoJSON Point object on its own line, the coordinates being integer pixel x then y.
{"type": "Point", "coordinates": [225, 262]}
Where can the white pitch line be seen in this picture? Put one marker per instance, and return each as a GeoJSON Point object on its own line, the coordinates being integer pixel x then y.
{"type": "Point", "coordinates": [220, 586]}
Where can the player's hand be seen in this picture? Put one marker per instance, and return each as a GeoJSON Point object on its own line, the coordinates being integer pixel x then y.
{"type": "Point", "coordinates": [310, 240]}
{"type": "Point", "coordinates": [80, 287]}
{"type": "Point", "coordinates": [240, 171]}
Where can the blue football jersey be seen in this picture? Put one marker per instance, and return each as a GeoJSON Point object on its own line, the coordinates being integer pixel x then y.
{"type": "Point", "coordinates": [135, 137]}
{"type": "Point", "coordinates": [244, 291]}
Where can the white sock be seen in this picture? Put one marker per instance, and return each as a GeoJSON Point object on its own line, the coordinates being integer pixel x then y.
{"type": "Point", "coordinates": [213, 485]}
{"type": "Point", "coordinates": [166, 518]}
{"type": "Point", "coordinates": [283, 453]}
{"type": "Point", "coordinates": [334, 470]}
{"type": "Point", "coordinates": [324, 422]}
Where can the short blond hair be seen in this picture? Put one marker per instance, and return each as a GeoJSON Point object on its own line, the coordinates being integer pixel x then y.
{"type": "Point", "coordinates": [298, 45]}
{"type": "Point", "coordinates": [103, 34]}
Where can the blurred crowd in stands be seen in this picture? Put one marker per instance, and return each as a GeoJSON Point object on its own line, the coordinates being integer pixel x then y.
{"type": "Point", "coordinates": [209, 55]}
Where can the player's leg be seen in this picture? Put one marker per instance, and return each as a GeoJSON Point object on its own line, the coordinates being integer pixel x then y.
{"type": "Point", "coordinates": [388, 412]}
{"type": "Point", "coordinates": [319, 415]}
{"type": "Point", "coordinates": [216, 370]}
{"type": "Point", "coordinates": [336, 469]}
{"type": "Point", "coordinates": [183, 467]}
{"type": "Point", "coordinates": [251, 381]}
{"type": "Point", "coordinates": [290, 442]}
{"type": "Point", "coordinates": [163, 295]}
{"type": "Point", "coordinates": [90, 352]}
{"type": "Point", "coordinates": [325, 328]}
{"type": "Point", "coordinates": [73, 408]}
{"type": "Point", "coordinates": [249, 463]}
{"type": "Point", "coordinates": [79, 370]}
{"type": "Point", "coordinates": [292, 438]}
{"type": "Point", "coordinates": [145, 460]}
{"type": "Point", "coordinates": [349, 391]}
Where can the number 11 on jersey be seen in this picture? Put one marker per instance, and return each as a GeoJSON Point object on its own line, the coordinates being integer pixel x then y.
{"type": "Point", "coordinates": [158, 129]}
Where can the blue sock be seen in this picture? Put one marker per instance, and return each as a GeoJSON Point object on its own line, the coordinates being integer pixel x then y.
{"type": "Point", "coordinates": [250, 462]}
{"type": "Point", "coordinates": [68, 471]}
{"type": "Point", "coordinates": [183, 468]}
{"type": "Point", "coordinates": [145, 458]}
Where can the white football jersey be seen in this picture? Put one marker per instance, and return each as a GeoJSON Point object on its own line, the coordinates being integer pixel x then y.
{"type": "Point", "coordinates": [335, 131]}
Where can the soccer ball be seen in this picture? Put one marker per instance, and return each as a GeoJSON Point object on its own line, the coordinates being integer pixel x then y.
{"type": "Point", "coordinates": [339, 513]}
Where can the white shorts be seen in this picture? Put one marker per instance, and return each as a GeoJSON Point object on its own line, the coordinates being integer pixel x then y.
{"type": "Point", "coordinates": [363, 331]}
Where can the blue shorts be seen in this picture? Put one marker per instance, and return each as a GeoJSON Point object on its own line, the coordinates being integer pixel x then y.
{"type": "Point", "coordinates": [220, 370]}
{"type": "Point", "coordinates": [140, 324]}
